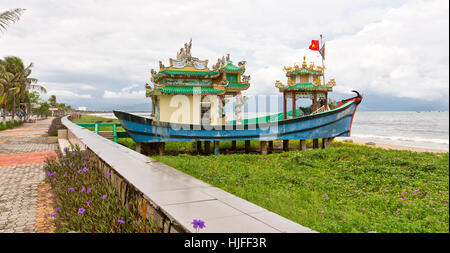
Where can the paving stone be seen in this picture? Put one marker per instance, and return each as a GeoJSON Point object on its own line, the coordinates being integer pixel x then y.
{"type": "Point", "coordinates": [20, 174]}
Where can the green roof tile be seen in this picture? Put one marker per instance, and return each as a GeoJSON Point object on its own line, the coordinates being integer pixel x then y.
{"type": "Point", "coordinates": [188, 73]}
{"type": "Point", "coordinates": [306, 86]}
{"type": "Point", "coordinates": [237, 85]}
{"type": "Point", "coordinates": [190, 90]}
{"type": "Point", "coordinates": [231, 68]}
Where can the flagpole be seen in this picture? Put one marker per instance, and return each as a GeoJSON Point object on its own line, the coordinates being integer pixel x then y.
{"type": "Point", "coordinates": [323, 64]}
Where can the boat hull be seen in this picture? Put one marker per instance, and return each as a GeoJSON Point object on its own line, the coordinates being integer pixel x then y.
{"type": "Point", "coordinates": [327, 124]}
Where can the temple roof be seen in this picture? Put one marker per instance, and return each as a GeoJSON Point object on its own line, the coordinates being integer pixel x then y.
{"type": "Point", "coordinates": [230, 68]}
{"type": "Point", "coordinates": [306, 87]}
{"type": "Point", "coordinates": [188, 90]}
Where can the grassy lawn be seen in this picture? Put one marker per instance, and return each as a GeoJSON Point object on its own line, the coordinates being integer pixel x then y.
{"type": "Point", "coordinates": [344, 188]}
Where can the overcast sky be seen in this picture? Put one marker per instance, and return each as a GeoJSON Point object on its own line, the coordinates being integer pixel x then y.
{"type": "Point", "coordinates": [96, 53]}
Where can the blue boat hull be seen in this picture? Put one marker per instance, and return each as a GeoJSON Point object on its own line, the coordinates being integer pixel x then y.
{"type": "Point", "coordinates": [329, 124]}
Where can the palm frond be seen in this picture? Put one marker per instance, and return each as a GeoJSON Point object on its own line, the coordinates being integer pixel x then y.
{"type": "Point", "coordinates": [10, 17]}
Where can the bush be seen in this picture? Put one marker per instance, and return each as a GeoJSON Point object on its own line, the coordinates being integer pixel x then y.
{"type": "Point", "coordinates": [56, 124]}
{"type": "Point", "coordinates": [86, 202]}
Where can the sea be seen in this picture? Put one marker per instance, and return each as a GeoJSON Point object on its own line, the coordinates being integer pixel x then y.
{"type": "Point", "coordinates": [402, 128]}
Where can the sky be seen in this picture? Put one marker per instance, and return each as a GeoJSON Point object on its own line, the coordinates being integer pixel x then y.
{"type": "Point", "coordinates": [99, 53]}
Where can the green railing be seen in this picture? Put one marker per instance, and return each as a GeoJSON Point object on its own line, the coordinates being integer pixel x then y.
{"type": "Point", "coordinates": [97, 127]}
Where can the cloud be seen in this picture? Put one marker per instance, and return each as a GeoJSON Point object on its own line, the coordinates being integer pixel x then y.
{"type": "Point", "coordinates": [125, 93]}
{"type": "Point", "coordinates": [67, 95]}
{"type": "Point", "coordinates": [97, 48]}
{"type": "Point", "coordinates": [404, 54]}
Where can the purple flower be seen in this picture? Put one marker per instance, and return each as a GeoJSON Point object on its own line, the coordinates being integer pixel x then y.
{"type": "Point", "coordinates": [54, 179]}
{"type": "Point", "coordinates": [65, 174]}
{"type": "Point", "coordinates": [104, 196]}
{"type": "Point", "coordinates": [57, 209]}
{"type": "Point", "coordinates": [121, 220]}
{"type": "Point", "coordinates": [322, 211]}
{"type": "Point", "coordinates": [70, 164]}
{"type": "Point", "coordinates": [109, 174]}
{"type": "Point", "coordinates": [82, 190]}
{"type": "Point", "coordinates": [79, 171]}
{"type": "Point", "coordinates": [198, 224]}
{"type": "Point", "coordinates": [52, 214]}
{"type": "Point", "coordinates": [84, 163]}
{"type": "Point", "coordinates": [81, 210]}
{"type": "Point", "coordinates": [84, 169]}
{"type": "Point", "coordinates": [64, 163]}
{"type": "Point", "coordinates": [71, 189]}
{"type": "Point", "coordinates": [85, 157]}
{"type": "Point", "coordinates": [428, 220]}
{"type": "Point", "coordinates": [88, 203]}
{"type": "Point", "coordinates": [51, 196]}
{"type": "Point", "coordinates": [73, 153]}
{"type": "Point", "coordinates": [54, 173]}
{"type": "Point", "coordinates": [88, 190]}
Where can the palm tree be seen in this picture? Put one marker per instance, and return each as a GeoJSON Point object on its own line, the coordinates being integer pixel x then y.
{"type": "Point", "coordinates": [52, 100]}
{"type": "Point", "coordinates": [9, 17]}
{"type": "Point", "coordinates": [9, 84]}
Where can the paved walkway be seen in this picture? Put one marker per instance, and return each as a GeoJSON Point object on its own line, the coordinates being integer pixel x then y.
{"type": "Point", "coordinates": [22, 152]}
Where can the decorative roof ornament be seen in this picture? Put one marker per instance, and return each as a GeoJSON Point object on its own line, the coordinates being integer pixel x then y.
{"type": "Point", "coordinates": [331, 83]}
{"type": "Point", "coordinates": [241, 64]}
{"type": "Point", "coordinates": [316, 82]}
{"type": "Point", "coordinates": [245, 78]}
{"type": "Point", "coordinates": [279, 84]}
{"type": "Point", "coordinates": [304, 65]}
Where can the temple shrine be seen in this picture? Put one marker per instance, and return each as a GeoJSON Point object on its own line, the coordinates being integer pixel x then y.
{"type": "Point", "coordinates": [305, 83]}
{"type": "Point", "coordinates": [204, 90]}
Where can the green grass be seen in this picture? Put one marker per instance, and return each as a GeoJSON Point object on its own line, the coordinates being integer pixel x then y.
{"type": "Point", "coordinates": [85, 118]}
{"type": "Point", "coordinates": [358, 188]}
{"type": "Point", "coordinates": [10, 125]}
{"type": "Point", "coordinates": [365, 186]}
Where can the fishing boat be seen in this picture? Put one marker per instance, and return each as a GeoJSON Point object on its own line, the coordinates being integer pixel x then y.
{"type": "Point", "coordinates": [188, 100]}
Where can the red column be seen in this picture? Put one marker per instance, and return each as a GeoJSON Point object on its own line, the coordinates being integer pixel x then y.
{"type": "Point", "coordinates": [293, 104]}
{"type": "Point", "coordinates": [284, 105]}
{"type": "Point", "coordinates": [315, 101]}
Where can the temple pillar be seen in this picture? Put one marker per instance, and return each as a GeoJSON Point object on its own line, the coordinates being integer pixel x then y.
{"type": "Point", "coordinates": [233, 145]}
{"type": "Point", "coordinates": [286, 145]}
{"type": "Point", "coordinates": [294, 109]}
{"type": "Point", "coordinates": [284, 106]}
{"type": "Point", "coordinates": [314, 101]}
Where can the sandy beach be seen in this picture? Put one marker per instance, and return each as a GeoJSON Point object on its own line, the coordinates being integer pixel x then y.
{"type": "Point", "coordinates": [394, 147]}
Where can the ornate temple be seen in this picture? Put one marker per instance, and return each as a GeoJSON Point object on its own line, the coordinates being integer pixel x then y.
{"type": "Point", "coordinates": [205, 91]}
{"type": "Point", "coordinates": [305, 82]}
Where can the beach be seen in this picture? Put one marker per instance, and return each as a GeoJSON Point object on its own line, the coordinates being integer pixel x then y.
{"type": "Point", "coordinates": [391, 146]}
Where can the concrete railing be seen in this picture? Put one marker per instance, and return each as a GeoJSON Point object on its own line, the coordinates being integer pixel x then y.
{"type": "Point", "coordinates": [171, 198]}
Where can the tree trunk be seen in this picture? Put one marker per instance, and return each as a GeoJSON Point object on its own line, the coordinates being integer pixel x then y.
{"type": "Point", "coordinates": [13, 108]}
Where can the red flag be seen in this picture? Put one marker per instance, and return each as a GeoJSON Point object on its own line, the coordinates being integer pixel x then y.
{"type": "Point", "coordinates": [314, 45]}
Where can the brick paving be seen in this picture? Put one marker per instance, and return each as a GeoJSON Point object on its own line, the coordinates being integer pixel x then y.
{"type": "Point", "coordinates": [22, 151]}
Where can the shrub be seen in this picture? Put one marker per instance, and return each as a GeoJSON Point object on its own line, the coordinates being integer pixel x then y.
{"type": "Point", "coordinates": [56, 124]}
{"type": "Point", "coordinates": [86, 202]}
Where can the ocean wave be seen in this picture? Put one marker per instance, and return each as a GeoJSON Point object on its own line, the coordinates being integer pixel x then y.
{"type": "Point", "coordinates": [402, 138]}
